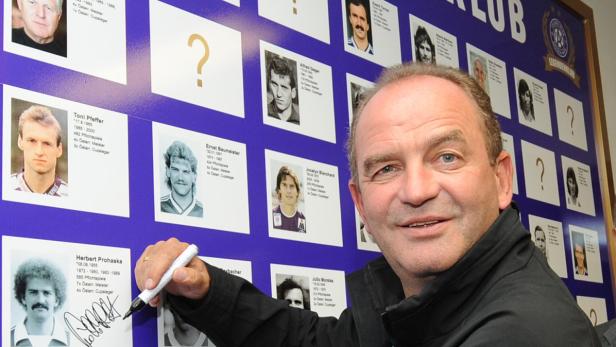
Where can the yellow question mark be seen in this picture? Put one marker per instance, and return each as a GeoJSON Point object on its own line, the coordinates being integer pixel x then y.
{"type": "Point", "coordinates": [593, 313]}
{"type": "Point", "coordinates": [537, 162]}
{"type": "Point", "coordinates": [569, 108]}
{"type": "Point", "coordinates": [206, 54]}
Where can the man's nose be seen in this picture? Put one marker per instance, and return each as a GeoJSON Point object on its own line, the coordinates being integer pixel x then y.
{"type": "Point", "coordinates": [38, 149]}
{"type": "Point", "coordinates": [419, 184]}
{"type": "Point", "coordinates": [40, 10]}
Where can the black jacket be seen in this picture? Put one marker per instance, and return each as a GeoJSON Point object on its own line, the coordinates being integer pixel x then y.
{"type": "Point", "coordinates": [501, 293]}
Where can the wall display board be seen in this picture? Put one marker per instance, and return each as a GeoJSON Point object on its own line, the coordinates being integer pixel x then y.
{"type": "Point", "coordinates": [223, 123]}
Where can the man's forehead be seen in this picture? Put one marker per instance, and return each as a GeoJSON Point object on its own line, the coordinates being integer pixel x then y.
{"type": "Point", "coordinates": [37, 126]}
{"type": "Point", "coordinates": [357, 8]}
{"type": "Point", "coordinates": [281, 78]}
{"type": "Point", "coordinates": [38, 283]}
{"type": "Point", "coordinates": [175, 160]}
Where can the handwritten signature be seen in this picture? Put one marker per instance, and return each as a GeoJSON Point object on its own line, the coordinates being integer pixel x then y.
{"type": "Point", "coordinates": [89, 326]}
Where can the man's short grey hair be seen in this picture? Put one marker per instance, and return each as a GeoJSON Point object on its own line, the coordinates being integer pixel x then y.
{"type": "Point", "coordinates": [458, 77]}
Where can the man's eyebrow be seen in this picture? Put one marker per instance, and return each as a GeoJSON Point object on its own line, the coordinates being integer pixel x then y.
{"type": "Point", "coordinates": [455, 135]}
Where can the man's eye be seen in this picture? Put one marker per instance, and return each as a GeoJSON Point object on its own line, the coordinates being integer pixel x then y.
{"type": "Point", "coordinates": [448, 158]}
{"type": "Point", "coordinates": [386, 169]}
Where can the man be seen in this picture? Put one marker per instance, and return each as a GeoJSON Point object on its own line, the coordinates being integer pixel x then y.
{"type": "Point", "coordinates": [291, 292]}
{"type": "Point", "coordinates": [425, 52]}
{"type": "Point", "coordinates": [540, 241]}
{"type": "Point", "coordinates": [40, 288]}
{"type": "Point", "coordinates": [572, 188]}
{"type": "Point", "coordinates": [525, 98]}
{"type": "Point", "coordinates": [579, 254]}
{"type": "Point", "coordinates": [433, 185]}
{"type": "Point", "coordinates": [286, 216]}
{"type": "Point", "coordinates": [359, 18]}
{"type": "Point", "coordinates": [40, 23]}
{"type": "Point", "coordinates": [40, 140]}
{"type": "Point", "coordinates": [479, 72]}
{"type": "Point", "coordinates": [181, 179]}
{"type": "Point", "coordinates": [282, 86]}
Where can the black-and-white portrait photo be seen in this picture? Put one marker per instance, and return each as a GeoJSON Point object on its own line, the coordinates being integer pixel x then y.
{"type": "Point", "coordinates": [178, 333]}
{"type": "Point", "coordinates": [180, 180]}
{"type": "Point", "coordinates": [525, 100]}
{"type": "Point", "coordinates": [572, 187]}
{"type": "Point", "coordinates": [281, 85]}
{"type": "Point", "coordinates": [293, 289]}
{"type": "Point", "coordinates": [40, 288]}
{"type": "Point", "coordinates": [425, 51]}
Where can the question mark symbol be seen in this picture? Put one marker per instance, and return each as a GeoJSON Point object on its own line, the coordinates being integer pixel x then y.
{"type": "Point", "coordinates": [204, 58]}
{"type": "Point", "coordinates": [593, 319]}
{"type": "Point", "coordinates": [569, 108]}
{"type": "Point", "coordinates": [537, 162]}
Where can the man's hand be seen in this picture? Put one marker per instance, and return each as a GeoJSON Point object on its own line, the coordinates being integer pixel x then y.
{"type": "Point", "coordinates": [192, 281]}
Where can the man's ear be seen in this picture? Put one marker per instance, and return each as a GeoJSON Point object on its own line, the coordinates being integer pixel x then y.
{"type": "Point", "coordinates": [357, 198]}
{"type": "Point", "coordinates": [503, 169]}
{"type": "Point", "coordinates": [59, 150]}
{"type": "Point", "coordinates": [293, 92]}
{"type": "Point", "coordinates": [20, 143]}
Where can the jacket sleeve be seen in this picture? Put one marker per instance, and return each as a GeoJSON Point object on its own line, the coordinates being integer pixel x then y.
{"type": "Point", "coordinates": [235, 313]}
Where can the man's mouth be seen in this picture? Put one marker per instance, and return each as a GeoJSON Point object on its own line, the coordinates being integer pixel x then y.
{"type": "Point", "coordinates": [423, 224]}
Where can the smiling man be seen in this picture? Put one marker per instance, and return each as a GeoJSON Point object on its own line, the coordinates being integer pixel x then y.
{"type": "Point", "coordinates": [433, 186]}
{"type": "Point", "coordinates": [40, 23]}
{"type": "Point", "coordinates": [181, 179]}
{"type": "Point", "coordinates": [359, 19]}
{"type": "Point", "coordinates": [40, 140]}
{"type": "Point", "coordinates": [40, 288]}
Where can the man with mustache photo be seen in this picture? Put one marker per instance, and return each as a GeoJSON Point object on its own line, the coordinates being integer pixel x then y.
{"type": "Point", "coordinates": [358, 13]}
{"type": "Point", "coordinates": [40, 288]}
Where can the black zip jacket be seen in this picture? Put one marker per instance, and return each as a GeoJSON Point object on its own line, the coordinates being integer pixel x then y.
{"type": "Point", "coordinates": [501, 293]}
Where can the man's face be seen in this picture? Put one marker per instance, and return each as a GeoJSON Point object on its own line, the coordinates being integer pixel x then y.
{"type": "Point", "coordinates": [287, 192]}
{"type": "Point", "coordinates": [540, 239]}
{"type": "Point", "coordinates": [425, 52]}
{"type": "Point", "coordinates": [41, 18]}
{"type": "Point", "coordinates": [479, 73]}
{"type": "Point", "coordinates": [294, 297]}
{"type": "Point", "coordinates": [39, 144]}
{"type": "Point", "coordinates": [283, 93]}
{"type": "Point", "coordinates": [579, 255]}
{"type": "Point", "coordinates": [426, 189]}
{"type": "Point", "coordinates": [181, 176]}
{"type": "Point", "coordinates": [526, 99]}
{"type": "Point", "coordinates": [572, 187]}
{"type": "Point", "coordinates": [40, 300]}
{"type": "Point", "coordinates": [359, 21]}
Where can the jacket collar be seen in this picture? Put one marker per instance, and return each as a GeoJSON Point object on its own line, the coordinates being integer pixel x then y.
{"type": "Point", "coordinates": [444, 303]}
